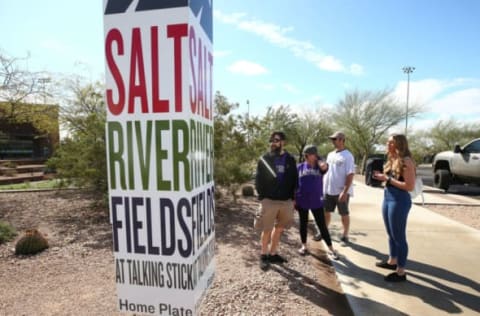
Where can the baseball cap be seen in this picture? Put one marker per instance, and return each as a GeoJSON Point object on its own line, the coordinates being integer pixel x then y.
{"type": "Point", "coordinates": [310, 149]}
{"type": "Point", "coordinates": [337, 135]}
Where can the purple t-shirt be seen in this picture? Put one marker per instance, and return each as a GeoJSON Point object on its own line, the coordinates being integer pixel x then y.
{"type": "Point", "coordinates": [309, 194]}
{"type": "Point", "coordinates": [280, 163]}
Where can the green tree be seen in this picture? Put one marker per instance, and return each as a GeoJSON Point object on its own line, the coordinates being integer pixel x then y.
{"type": "Point", "coordinates": [81, 157]}
{"type": "Point", "coordinates": [446, 134]}
{"type": "Point", "coordinates": [310, 128]}
{"type": "Point", "coordinates": [279, 119]}
{"type": "Point", "coordinates": [19, 89]}
{"type": "Point", "coordinates": [420, 145]}
{"type": "Point", "coordinates": [366, 117]}
{"type": "Point", "coordinates": [233, 156]}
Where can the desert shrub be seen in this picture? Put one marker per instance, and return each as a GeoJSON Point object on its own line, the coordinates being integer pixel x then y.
{"type": "Point", "coordinates": [247, 190]}
{"type": "Point", "coordinates": [7, 232]}
{"type": "Point", "coordinates": [31, 243]}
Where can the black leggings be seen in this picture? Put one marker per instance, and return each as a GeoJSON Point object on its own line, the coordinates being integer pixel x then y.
{"type": "Point", "coordinates": [319, 219]}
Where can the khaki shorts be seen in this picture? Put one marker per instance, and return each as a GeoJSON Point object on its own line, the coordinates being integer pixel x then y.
{"type": "Point", "coordinates": [273, 213]}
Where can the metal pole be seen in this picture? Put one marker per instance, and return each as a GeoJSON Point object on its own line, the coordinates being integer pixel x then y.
{"type": "Point", "coordinates": [408, 70]}
{"type": "Point", "coordinates": [44, 81]}
{"type": "Point", "coordinates": [408, 94]}
{"type": "Point", "coordinates": [248, 122]}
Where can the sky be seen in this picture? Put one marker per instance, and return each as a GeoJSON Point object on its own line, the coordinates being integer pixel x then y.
{"type": "Point", "coordinates": [306, 54]}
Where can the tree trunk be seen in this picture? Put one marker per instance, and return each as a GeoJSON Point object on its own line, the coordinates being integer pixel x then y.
{"type": "Point", "coordinates": [364, 163]}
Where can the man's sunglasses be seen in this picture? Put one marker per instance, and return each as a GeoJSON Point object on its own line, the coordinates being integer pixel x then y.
{"type": "Point", "coordinates": [275, 140]}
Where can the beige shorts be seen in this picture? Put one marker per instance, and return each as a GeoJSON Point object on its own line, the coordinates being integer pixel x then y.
{"type": "Point", "coordinates": [273, 213]}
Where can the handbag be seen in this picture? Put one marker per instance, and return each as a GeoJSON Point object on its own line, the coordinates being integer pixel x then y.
{"type": "Point", "coordinates": [418, 189]}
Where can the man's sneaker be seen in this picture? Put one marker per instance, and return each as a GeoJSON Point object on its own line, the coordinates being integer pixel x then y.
{"type": "Point", "coordinates": [264, 262]}
{"type": "Point", "coordinates": [344, 240]}
{"type": "Point", "coordinates": [276, 258]}
{"type": "Point", "coordinates": [317, 237]}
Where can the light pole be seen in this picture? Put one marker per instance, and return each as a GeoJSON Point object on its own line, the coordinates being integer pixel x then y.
{"type": "Point", "coordinates": [408, 70]}
{"type": "Point", "coordinates": [248, 122]}
{"type": "Point", "coordinates": [43, 82]}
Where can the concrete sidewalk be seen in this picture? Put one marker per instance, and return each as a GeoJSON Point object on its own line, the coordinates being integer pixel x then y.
{"type": "Point", "coordinates": [443, 264]}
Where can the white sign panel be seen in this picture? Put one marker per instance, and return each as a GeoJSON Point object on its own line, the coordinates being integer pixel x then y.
{"type": "Point", "coordinates": [159, 64]}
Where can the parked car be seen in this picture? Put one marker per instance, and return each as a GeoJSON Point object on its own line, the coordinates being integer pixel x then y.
{"type": "Point", "coordinates": [460, 166]}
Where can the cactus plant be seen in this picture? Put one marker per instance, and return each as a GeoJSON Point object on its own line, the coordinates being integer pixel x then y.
{"type": "Point", "coordinates": [31, 243]}
{"type": "Point", "coordinates": [247, 190]}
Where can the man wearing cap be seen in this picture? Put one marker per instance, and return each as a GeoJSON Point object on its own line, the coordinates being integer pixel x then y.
{"type": "Point", "coordinates": [338, 182]}
{"type": "Point", "coordinates": [275, 183]}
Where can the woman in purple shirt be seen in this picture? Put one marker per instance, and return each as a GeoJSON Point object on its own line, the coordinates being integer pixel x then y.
{"type": "Point", "coordinates": [309, 196]}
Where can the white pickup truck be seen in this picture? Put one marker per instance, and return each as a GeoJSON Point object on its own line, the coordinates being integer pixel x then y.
{"type": "Point", "coordinates": [460, 166]}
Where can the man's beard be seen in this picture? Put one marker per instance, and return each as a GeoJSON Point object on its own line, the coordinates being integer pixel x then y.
{"type": "Point", "coordinates": [276, 150]}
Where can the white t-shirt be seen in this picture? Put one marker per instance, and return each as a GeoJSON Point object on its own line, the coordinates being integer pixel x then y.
{"type": "Point", "coordinates": [340, 165]}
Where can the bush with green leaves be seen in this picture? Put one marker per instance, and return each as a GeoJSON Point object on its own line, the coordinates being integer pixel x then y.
{"type": "Point", "coordinates": [7, 232]}
{"type": "Point", "coordinates": [81, 157]}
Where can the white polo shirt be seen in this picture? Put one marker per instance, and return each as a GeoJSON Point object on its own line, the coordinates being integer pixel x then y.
{"type": "Point", "coordinates": [340, 165]}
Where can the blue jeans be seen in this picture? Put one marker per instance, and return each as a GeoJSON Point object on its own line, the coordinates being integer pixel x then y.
{"type": "Point", "coordinates": [395, 208]}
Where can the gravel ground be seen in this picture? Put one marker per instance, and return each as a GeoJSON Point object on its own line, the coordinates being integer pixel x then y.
{"type": "Point", "coordinates": [468, 215]}
{"type": "Point", "coordinates": [75, 276]}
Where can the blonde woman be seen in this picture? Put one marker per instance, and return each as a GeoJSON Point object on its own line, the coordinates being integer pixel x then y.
{"type": "Point", "coordinates": [399, 176]}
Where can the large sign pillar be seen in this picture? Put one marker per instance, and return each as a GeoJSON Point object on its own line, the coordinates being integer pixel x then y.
{"type": "Point", "coordinates": [159, 64]}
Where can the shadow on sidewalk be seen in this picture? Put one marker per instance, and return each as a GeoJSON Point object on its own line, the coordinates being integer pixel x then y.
{"type": "Point", "coordinates": [439, 295]}
{"type": "Point", "coordinates": [311, 291]}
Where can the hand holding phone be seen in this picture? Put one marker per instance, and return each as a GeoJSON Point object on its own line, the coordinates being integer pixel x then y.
{"type": "Point", "coordinates": [322, 164]}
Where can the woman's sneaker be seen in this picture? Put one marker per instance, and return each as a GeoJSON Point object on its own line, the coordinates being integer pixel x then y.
{"type": "Point", "coordinates": [303, 251]}
{"type": "Point", "coordinates": [334, 255]}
